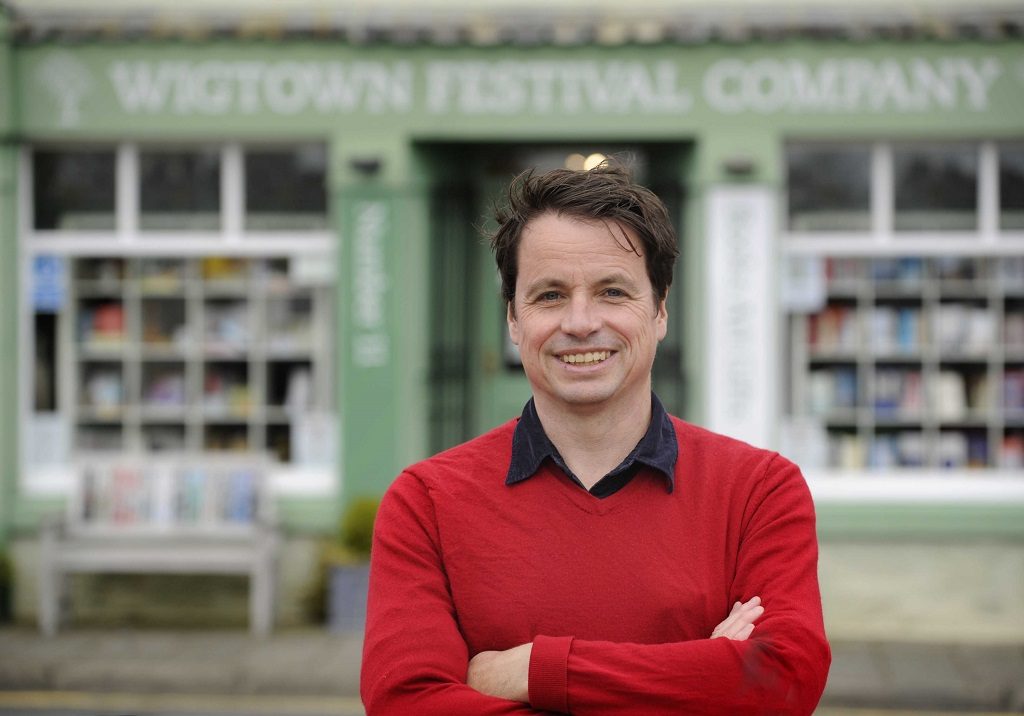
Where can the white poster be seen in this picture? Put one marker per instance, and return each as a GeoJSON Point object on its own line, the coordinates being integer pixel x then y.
{"type": "Point", "coordinates": [741, 346]}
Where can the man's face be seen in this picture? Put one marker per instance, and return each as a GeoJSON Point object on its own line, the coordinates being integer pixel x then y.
{"type": "Point", "coordinates": [585, 319]}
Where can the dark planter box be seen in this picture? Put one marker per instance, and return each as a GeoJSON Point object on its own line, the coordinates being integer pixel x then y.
{"type": "Point", "coordinates": [346, 597]}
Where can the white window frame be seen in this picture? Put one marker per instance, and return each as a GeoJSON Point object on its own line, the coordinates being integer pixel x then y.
{"type": "Point", "coordinates": [129, 241]}
{"type": "Point", "coordinates": [884, 240]}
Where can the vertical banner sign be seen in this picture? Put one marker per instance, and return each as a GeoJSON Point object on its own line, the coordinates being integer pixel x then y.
{"type": "Point", "coordinates": [741, 349]}
{"type": "Point", "coordinates": [371, 343]}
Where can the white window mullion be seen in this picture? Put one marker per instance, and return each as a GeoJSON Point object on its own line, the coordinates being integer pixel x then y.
{"type": "Point", "coordinates": [988, 192]}
{"type": "Point", "coordinates": [127, 187]}
{"type": "Point", "coordinates": [26, 193]}
{"type": "Point", "coordinates": [882, 193]}
{"type": "Point", "coordinates": [232, 193]}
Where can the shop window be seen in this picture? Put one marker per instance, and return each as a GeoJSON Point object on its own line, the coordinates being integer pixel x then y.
{"type": "Point", "coordinates": [897, 358]}
{"type": "Point", "coordinates": [179, 190]}
{"type": "Point", "coordinates": [936, 188]}
{"type": "Point", "coordinates": [285, 189]}
{"type": "Point", "coordinates": [1011, 187]}
{"type": "Point", "coordinates": [828, 188]}
{"type": "Point", "coordinates": [73, 189]}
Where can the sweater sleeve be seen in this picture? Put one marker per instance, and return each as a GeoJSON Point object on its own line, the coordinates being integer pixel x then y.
{"type": "Point", "coordinates": [414, 657]}
{"type": "Point", "coordinates": [781, 669]}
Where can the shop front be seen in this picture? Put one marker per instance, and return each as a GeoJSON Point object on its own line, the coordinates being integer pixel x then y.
{"type": "Point", "coordinates": [225, 244]}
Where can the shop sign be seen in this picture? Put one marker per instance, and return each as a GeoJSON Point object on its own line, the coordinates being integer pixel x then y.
{"type": "Point", "coordinates": [741, 303]}
{"type": "Point", "coordinates": [214, 87]}
{"type": "Point", "coordinates": [371, 346]}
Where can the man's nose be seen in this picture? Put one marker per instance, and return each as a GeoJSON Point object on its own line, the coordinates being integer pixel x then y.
{"type": "Point", "coordinates": [581, 317]}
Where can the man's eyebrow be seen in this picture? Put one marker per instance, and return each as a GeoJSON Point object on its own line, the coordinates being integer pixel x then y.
{"type": "Point", "coordinates": [544, 284]}
{"type": "Point", "coordinates": [617, 278]}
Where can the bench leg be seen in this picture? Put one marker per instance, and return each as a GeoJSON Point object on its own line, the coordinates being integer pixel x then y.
{"type": "Point", "coordinates": [50, 598]}
{"type": "Point", "coordinates": [261, 601]}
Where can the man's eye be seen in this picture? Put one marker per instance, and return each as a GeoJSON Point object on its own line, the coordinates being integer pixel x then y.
{"type": "Point", "coordinates": [549, 296]}
{"type": "Point", "coordinates": [614, 292]}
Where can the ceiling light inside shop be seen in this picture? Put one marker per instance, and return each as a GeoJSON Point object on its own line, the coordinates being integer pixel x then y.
{"type": "Point", "coordinates": [594, 160]}
{"type": "Point", "coordinates": [575, 162]}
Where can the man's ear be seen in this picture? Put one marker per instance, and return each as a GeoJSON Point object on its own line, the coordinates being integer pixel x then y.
{"type": "Point", "coordinates": [661, 319]}
{"type": "Point", "coordinates": [513, 324]}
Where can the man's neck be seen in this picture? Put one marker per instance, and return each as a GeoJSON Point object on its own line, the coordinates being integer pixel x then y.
{"type": "Point", "coordinates": [594, 442]}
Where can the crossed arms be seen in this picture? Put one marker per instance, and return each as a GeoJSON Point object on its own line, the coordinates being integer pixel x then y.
{"type": "Point", "coordinates": [505, 674]}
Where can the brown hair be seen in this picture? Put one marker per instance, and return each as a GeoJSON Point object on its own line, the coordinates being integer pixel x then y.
{"type": "Point", "coordinates": [607, 193]}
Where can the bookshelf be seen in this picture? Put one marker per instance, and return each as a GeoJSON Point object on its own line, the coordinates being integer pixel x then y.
{"type": "Point", "coordinates": [210, 354]}
{"type": "Point", "coordinates": [913, 362]}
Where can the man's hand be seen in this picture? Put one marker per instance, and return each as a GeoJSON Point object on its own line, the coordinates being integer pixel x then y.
{"type": "Point", "coordinates": [740, 622]}
{"type": "Point", "coordinates": [504, 674]}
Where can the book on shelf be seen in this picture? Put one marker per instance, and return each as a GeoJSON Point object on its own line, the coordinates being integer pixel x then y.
{"type": "Point", "coordinates": [832, 389]}
{"type": "Point", "coordinates": [904, 270]}
{"type": "Point", "coordinates": [897, 393]}
{"type": "Point", "coordinates": [1013, 390]}
{"type": "Point", "coordinates": [1011, 452]}
{"type": "Point", "coordinates": [834, 329]}
{"type": "Point", "coordinates": [846, 451]}
{"type": "Point", "coordinates": [902, 449]}
{"type": "Point", "coordinates": [964, 329]}
{"type": "Point", "coordinates": [101, 325]}
{"type": "Point", "coordinates": [1013, 330]}
{"type": "Point", "coordinates": [896, 329]}
{"type": "Point", "coordinates": [949, 395]}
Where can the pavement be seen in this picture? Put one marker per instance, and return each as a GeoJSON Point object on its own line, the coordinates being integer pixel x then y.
{"type": "Point", "coordinates": [312, 672]}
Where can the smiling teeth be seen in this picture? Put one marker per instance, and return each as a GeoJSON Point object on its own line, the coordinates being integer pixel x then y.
{"type": "Point", "coordinates": [583, 358]}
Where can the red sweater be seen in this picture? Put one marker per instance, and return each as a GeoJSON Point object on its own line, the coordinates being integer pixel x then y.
{"type": "Point", "coordinates": [618, 595]}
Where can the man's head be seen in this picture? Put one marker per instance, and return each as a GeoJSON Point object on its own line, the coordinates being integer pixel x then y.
{"type": "Point", "coordinates": [586, 262]}
{"type": "Point", "coordinates": [607, 194]}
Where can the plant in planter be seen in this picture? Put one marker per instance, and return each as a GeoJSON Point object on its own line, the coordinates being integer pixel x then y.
{"type": "Point", "coordinates": [347, 566]}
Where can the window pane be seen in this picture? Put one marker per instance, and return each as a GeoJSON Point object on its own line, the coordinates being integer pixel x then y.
{"type": "Point", "coordinates": [936, 188]}
{"type": "Point", "coordinates": [285, 189]}
{"type": "Point", "coordinates": [829, 188]}
{"type": "Point", "coordinates": [180, 190]}
{"type": "Point", "coordinates": [45, 367]}
{"type": "Point", "coordinates": [74, 190]}
{"type": "Point", "coordinates": [1011, 188]}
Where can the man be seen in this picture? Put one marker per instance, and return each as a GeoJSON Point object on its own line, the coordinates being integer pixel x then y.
{"type": "Point", "coordinates": [597, 555]}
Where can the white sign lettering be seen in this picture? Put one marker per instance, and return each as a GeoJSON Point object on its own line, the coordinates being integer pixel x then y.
{"type": "Point", "coordinates": [504, 88]}
{"type": "Point", "coordinates": [370, 285]}
{"type": "Point", "coordinates": [766, 86]}
{"type": "Point", "coordinates": [512, 87]}
{"type": "Point", "coordinates": [217, 88]}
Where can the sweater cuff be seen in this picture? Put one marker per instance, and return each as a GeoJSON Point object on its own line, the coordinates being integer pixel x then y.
{"type": "Point", "coordinates": [549, 673]}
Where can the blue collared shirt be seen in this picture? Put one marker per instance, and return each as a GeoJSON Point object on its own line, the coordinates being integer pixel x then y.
{"type": "Point", "coordinates": [657, 449]}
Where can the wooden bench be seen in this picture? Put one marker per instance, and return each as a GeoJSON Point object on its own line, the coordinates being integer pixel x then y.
{"type": "Point", "coordinates": [184, 515]}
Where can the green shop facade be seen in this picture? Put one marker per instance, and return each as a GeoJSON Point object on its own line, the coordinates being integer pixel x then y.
{"type": "Point", "coordinates": [272, 248]}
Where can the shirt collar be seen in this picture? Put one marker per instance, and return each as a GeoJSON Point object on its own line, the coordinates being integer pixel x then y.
{"type": "Point", "coordinates": [657, 449]}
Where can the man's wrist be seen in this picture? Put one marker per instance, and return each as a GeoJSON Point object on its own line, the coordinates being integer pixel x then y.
{"type": "Point", "coordinates": [548, 674]}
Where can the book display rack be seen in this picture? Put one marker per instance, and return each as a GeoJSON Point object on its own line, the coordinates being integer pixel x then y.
{"type": "Point", "coordinates": [914, 362]}
{"type": "Point", "coordinates": [195, 354]}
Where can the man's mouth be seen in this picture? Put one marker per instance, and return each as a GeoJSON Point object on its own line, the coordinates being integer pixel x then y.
{"type": "Point", "coordinates": [590, 358]}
